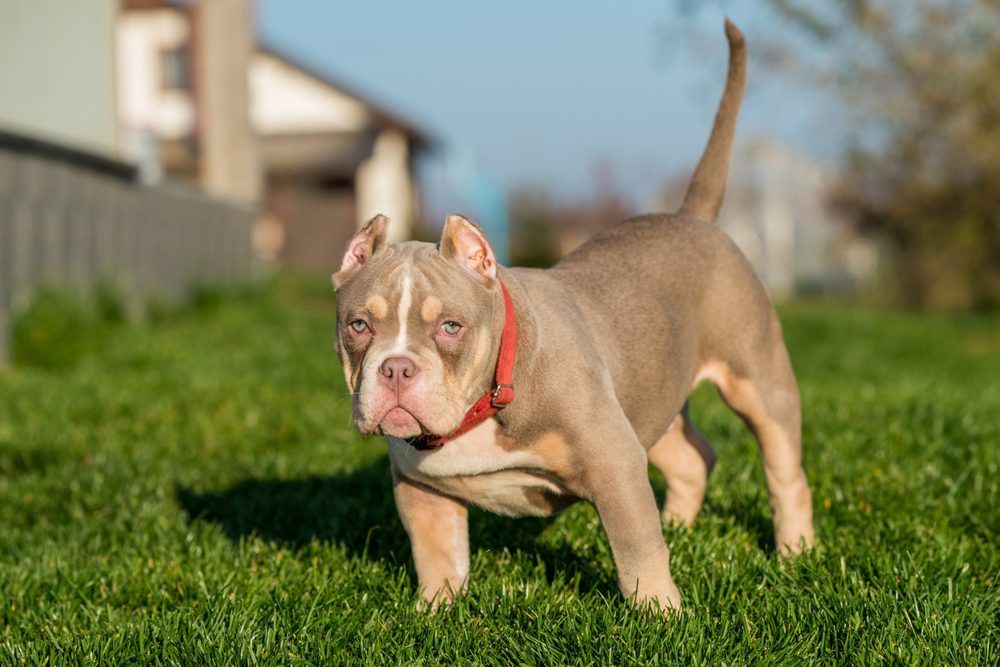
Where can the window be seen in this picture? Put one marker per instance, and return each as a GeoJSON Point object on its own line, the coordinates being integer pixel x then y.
{"type": "Point", "coordinates": [175, 68]}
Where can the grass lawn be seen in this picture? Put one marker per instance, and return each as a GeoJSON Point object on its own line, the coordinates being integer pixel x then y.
{"type": "Point", "coordinates": [194, 493]}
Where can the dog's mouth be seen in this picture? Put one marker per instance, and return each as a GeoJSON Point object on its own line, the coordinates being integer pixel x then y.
{"type": "Point", "coordinates": [400, 422]}
{"type": "Point", "coordinates": [399, 417]}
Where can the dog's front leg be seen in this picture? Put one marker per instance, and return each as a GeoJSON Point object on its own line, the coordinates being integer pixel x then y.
{"type": "Point", "coordinates": [621, 493]}
{"type": "Point", "coordinates": [438, 527]}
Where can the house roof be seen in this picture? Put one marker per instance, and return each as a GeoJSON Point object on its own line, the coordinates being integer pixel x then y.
{"type": "Point", "coordinates": [382, 114]}
{"type": "Point", "coordinates": [151, 4]}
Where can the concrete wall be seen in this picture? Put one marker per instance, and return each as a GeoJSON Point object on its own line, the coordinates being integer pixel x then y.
{"type": "Point", "coordinates": [57, 75]}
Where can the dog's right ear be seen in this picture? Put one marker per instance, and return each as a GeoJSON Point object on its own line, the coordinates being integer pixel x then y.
{"type": "Point", "coordinates": [365, 244]}
{"type": "Point", "coordinates": [465, 243]}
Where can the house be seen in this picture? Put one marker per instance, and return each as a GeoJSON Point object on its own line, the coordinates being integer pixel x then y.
{"type": "Point", "coordinates": [57, 74]}
{"type": "Point", "coordinates": [778, 210]}
{"type": "Point", "coordinates": [330, 155]}
{"type": "Point", "coordinates": [248, 122]}
{"type": "Point", "coordinates": [182, 97]}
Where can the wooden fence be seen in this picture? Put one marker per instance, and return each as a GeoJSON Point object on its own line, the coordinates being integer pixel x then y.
{"type": "Point", "coordinates": [69, 219]}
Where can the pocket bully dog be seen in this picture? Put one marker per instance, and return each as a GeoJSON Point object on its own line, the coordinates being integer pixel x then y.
{"type": "Point", "coordinates": [522, 391]}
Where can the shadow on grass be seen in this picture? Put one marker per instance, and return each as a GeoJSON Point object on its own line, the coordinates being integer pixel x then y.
{"type": "Point", "coordinates": [355, 510]}
{"type": "Point", "coordinates": [747, 515]}
{"type": "Point", "coordinates": [744, 512]}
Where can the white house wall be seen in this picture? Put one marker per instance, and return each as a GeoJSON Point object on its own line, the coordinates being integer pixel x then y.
{"type": "Point", "coordinates": [57, 71]}
{"type": "Point", "coordinates": [384, 185]}
{"type": "Point", "coordinates": [286, 100]}
{"type": "Point", "coordinates": [144, 105]}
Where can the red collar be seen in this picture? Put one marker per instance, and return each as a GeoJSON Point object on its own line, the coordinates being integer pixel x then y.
{"type": "Point", "coordinates": [497, 398]}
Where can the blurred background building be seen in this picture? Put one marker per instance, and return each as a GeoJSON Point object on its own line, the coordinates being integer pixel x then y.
{"type": "Point", "coordinates": [160, 144]}
{"type": "Point", "coordinates": [156, 144]}
{"type": "Point", "coordinates": [199, 99]}
{"type": "Point", "coordinates": [183, 91]}
{"type": "Point", "coordinates": [779, 210]}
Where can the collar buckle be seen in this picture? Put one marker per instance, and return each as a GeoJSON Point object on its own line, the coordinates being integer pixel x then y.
{"type": "Point", "coordinates": [500, 398]}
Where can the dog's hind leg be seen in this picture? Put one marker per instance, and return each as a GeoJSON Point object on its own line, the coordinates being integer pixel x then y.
{"type": "Point", "coordinates": [686, 458]}
{"type": "Point", "coordinates": [766, 396]}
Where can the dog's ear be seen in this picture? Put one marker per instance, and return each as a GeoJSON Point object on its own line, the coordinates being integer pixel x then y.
{"type": "Point", "coordinates": [365, 244]}
{"type": "Point", "coordinates": [463, 242]}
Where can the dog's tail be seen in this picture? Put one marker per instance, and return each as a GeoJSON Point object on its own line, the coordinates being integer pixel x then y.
{"type": "Point", "coordinates": [704, 195]}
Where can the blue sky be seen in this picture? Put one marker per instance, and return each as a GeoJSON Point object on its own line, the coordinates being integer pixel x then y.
{"type": "Point", "coordinates": [542, 92]}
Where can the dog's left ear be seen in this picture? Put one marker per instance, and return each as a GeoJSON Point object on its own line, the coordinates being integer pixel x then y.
{"type": "Point", "coordinates": [362, 247]}
{"type": "Point", "coordinates": [464, 243]}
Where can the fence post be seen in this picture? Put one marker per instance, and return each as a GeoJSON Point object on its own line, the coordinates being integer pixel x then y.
{"type": "Point", "coordinates": [4, 332]}
{"type": "Point", "coordinates": [4, 294]}
{"type": "Point", "coordinates": [6, 256]}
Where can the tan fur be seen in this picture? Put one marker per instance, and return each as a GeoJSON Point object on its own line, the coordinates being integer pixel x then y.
{"type": "Point", "coordinates": [610, 343]}
{"type": "Point", "coordinates": [554, 450]}
{"type": "Point", "coordinates": [431, 309]}
{"type": "Point", "coordinates": [685, 458]}
{"type": "Point", "coordinates": [628, 511]}
{"type": "Point", "coordinates": [778, 435]}
{"type": "Point", "coordinates": [378, 306]}
{"type": "Point", "coordinates": [439, 538]}
{"type": "Point", "coordinates": [479, 361]}
{"type": "Point", "coordinates": [704, 195]}
{"type": "Point", "coordinates": [348, 371]}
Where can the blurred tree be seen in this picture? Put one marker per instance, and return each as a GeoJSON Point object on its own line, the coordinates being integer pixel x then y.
{"type": "Point", "coordinates": [534, 237]}
{"type": "Point", "coordinates": [925, 176]}
{"type": "Point", "coordinates": [542, 230]}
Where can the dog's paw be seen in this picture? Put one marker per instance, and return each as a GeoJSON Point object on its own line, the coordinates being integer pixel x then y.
{"type": "Point", "coordinates": [801, 542]}
{"type": "Point", "coordinates": [440, 599]}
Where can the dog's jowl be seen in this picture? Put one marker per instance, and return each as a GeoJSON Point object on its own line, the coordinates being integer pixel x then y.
{"type": "Point", "coordinates": [523, 391]}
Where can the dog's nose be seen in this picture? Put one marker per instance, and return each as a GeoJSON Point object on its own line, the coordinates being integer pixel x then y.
{"type": "Point", "coordinates": [399, 370]}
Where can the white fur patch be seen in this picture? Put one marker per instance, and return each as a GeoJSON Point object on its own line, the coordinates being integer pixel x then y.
{"type": "Point", "coordinates": [404, 313]}
{"type": "Point", "coordinates": [476, 469]}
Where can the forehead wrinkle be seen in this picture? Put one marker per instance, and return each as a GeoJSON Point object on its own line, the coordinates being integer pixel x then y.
{"type": "Point", "coordinates": [449, 288]}
{"type": "Point", "coordinates": [425, 272]}
{"type": "Point", "coordinates": [391, 284]}
{"type": "Point", "coordinates": [395, 269]}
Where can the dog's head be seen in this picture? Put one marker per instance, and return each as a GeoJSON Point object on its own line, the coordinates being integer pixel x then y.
{"type": "Point", "coordinates": [417, 327]}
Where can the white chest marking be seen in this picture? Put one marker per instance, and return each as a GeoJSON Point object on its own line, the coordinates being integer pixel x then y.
{"type": "Point", "coordinates": [475, 468]}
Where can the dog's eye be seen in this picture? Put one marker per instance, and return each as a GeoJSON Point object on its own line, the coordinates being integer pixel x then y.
{"type": "Point", "coordinates": [359, 326]}
{"type": "Point", "coordinates": [451, 327]}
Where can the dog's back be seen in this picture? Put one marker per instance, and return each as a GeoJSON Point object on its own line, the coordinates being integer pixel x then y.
{"type": "Point", "coordinates": [648, 287]}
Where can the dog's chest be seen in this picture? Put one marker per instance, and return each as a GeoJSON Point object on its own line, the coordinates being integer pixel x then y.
{"type": "Point", "coordinates": [476, 469]}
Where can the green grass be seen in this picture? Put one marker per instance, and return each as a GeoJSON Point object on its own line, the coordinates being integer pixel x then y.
{"type": "Point", "coordinates": [192, 492]}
